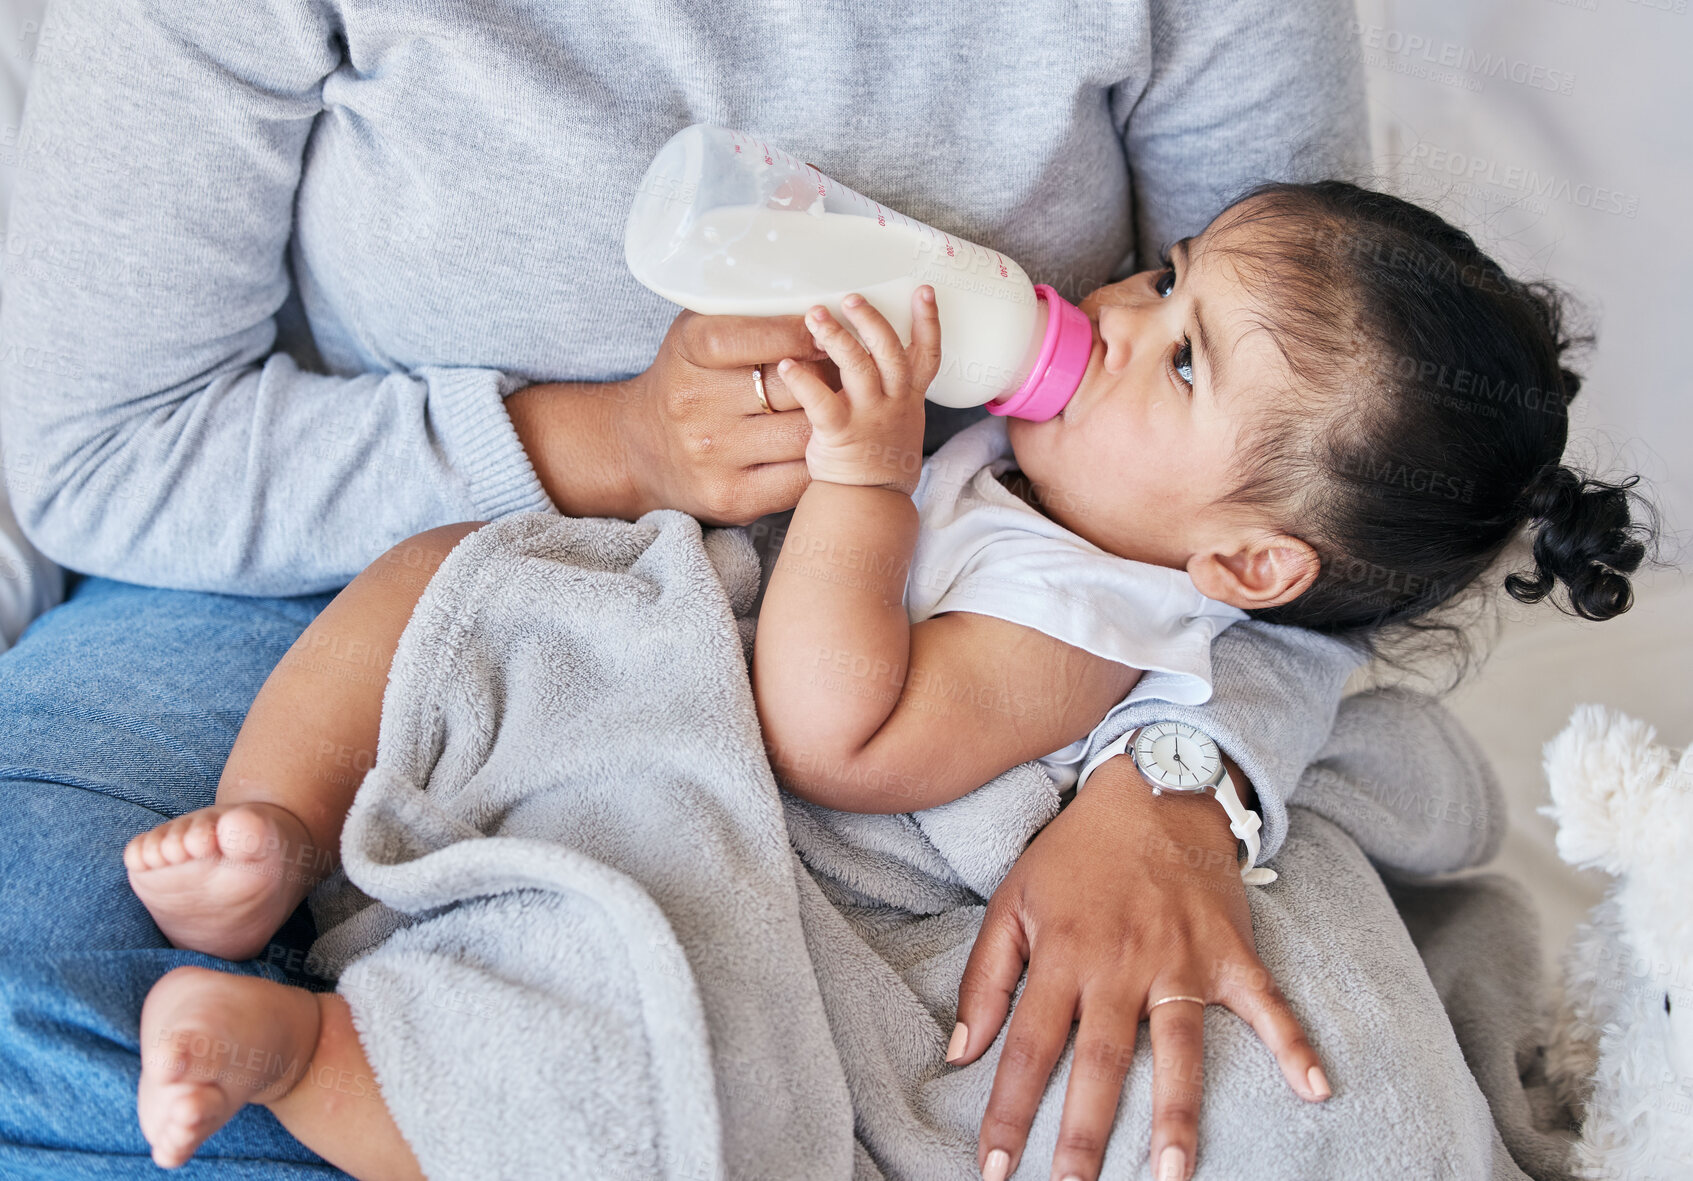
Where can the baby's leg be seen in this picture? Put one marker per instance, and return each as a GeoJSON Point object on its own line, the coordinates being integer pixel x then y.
{"type": "Point", "coordinates": [222, 880]}
{"type": "Point", "coordinates": [212, 1042]}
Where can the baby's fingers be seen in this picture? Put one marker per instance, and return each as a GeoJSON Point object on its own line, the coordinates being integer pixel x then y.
{"type": "Point", "coordinates": [824, 408]}
{"type": "Point", "coordinates": [883, 342]}
{"type": "Point", "coordinates": [860, 378]}
{"type": "Point", "coordinates": [923, 358]}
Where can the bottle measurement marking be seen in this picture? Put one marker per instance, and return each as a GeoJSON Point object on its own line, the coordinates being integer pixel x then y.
{"type": "Point", "coordinates": [770, 156]}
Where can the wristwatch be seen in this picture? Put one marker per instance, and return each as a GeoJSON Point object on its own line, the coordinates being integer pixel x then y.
{"type": "Point", "coordinates": [1177, 757]}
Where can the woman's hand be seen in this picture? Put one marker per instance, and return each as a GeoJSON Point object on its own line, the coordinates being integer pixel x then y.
{"type": "Point", "coordinates": [687, 434]}
{"type": "Point", "coordinates": [1123, 899]}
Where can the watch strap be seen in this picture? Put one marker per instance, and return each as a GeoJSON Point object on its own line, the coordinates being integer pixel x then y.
{"type": "Point", "coordinates": [1243, 822]}
{"type": "Point", "coordinates": [1118, 746]}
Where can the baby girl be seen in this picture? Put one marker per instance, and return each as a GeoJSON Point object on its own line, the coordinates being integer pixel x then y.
{"type": "Point", "coordinates": [1330, 409]}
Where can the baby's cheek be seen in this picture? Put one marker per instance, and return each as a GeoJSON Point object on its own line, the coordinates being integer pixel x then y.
{"type": "Point", "coordinates": [1082, 508]}
{"type": "Point", "coordinates": [1031, 446]}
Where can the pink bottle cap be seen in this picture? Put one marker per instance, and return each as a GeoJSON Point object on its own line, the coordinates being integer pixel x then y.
{"type": "Point", "coordinates": [1064, 354]}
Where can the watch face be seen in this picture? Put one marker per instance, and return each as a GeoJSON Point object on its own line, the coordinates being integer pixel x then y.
{"type": "Point", "coordinates": [1177, 757]}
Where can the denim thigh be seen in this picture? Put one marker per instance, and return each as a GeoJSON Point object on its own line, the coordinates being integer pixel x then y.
{"type": "Point", "coordinates": [117, 711]}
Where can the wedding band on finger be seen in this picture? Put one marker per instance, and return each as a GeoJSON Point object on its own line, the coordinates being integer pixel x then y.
{"type": "Point", "coordinates": [758, 388]}
{"type": "Point", "coordinates": [1165, 1000]}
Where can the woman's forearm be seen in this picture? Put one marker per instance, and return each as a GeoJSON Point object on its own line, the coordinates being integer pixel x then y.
{"type": "Point", "coordinates": [833, 637]}
{"type": "Point", "coordinates": [569, 429]}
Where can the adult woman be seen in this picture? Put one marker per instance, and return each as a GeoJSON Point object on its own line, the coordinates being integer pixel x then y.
{"type": "Point", "coordinates": [301, 278]}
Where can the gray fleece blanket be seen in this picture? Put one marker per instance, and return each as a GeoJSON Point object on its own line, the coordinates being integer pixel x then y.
{"type": "Point", "coordinates": [583, 934]}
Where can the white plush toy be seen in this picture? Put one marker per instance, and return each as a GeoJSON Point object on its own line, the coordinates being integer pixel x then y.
{"type": "Point", "coordinates": [1621, 1045]}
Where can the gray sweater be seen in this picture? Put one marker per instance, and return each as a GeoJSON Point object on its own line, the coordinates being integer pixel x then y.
{"type": "Point", "coordinates": [274, 265]}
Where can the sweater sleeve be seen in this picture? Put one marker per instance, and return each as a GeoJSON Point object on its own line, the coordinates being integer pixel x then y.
{"type": "Point", "coordinates": [153, 431]}
{"type": "Point", "coordinates": [1275, 693]}
{"type": "Point", "coordinates": [1239, 93]}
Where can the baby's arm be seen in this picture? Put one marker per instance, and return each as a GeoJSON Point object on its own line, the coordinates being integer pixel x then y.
{"type": "Point", "coordinates": [222, 879]}
{"type": "Point", "coordinates": [862, 711]}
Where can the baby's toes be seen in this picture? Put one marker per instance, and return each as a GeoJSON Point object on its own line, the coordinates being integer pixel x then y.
{"type": "Point", "coordinates": [245, 833]}
{"type": "Point", "coordinates": [145, 851]}
{"type": "Point", "coordinates": [134, 853]}
{"type": "Point", "coordinates": [188, 1116]}
{"type": "Point", "coordinates": [200, 835]}
{"type": "Point", "coordinates": [171, 849]}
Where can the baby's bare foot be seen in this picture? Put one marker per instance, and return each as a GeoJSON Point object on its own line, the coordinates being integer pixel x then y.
{"type": "Point", "coordinates": [223, 879]}
{"type": "Point", "coordinates": [212, 1042]}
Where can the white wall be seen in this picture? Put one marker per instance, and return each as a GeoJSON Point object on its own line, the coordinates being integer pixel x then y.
{"type": "Point", "coordinates": [1580, 170]}
{"type": "Point", "coordinates": [1574, 162]}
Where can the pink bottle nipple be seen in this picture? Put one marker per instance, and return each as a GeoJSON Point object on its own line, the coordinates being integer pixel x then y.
{"type": "Point", "coordinates": [1064, 354]}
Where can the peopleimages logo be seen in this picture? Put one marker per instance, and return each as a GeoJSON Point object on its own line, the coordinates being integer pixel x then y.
{"type": "Point", "coordinates": [1478, 64]}
{"type": "Point", "coordinates": [1390, 472]}
{"type": "Point", "coordinates": [1515, 178]}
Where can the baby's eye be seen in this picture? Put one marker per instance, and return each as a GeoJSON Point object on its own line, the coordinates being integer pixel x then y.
{"type": "Point", "coordinates": [1164, 282]}
{"type": "Point", "coordinates": [1182, 362]}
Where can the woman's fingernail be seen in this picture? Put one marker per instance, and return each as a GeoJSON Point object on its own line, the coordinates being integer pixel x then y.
{"type": "Point", "coordinates": [852, 301]}
{"type": "Point", "coordinates": [1073, 1177]}
{"type": "Point", "coordinates": [784, 365]}
{"type": "Point", "coordinates": [998, 1166]}
{"type": "Point", "coordinates": [818, 314]}
{"type": "Point", "coordinates": [1172, 1164]}
{"type": "Point", "coordinates": [1319, 1082]}
{"type": "Point", "coordinates": [960, 1039]}
{"type": "Point", "coordinates": [928, 294]}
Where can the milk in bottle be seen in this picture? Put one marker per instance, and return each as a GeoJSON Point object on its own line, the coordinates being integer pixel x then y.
{"type": "Point", "coordinates": [723, 224]}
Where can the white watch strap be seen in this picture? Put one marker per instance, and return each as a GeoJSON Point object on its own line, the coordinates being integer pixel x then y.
{"type": "Point", "coordinates": [1119, 746]}
{"type": "Point", "coordinates": [1243, 822]}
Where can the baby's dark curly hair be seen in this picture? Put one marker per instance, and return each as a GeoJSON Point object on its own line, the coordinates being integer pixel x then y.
{"type": "Point", "coordinates": [1431, 418]}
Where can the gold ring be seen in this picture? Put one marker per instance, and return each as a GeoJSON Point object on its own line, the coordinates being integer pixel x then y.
{"type": "Point", "coordinates": [1198, 1000]}
{"type": "Point", "coordinates": [758, 388]}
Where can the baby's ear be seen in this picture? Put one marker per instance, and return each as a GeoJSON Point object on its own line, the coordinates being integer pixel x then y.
{"type": "Point", "coordinates": [1265, 570]}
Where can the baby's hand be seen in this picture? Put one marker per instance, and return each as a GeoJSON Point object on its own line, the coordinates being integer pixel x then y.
{"type": "Point", "coordinates": [869, 432]}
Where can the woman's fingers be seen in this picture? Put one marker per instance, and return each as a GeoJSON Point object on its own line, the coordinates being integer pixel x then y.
{"type": "Point", "coordinates": [735, 342]}
{"type": "Point", "coordinates": [1105, 1048]}
{"type": "Point", "coordinates": [776, 383]}
{"type": "Point", "coordinates": [764, 438]}
{"type": "Point", "coordinates": [1247, 987]}
{"type": "Point", "coordinates": [990, 978]}
{"type": "Point", "coordinates": [924, 354]}
{"type": "Point", "coordinates": [824, 408]}
{"type": "Point", "coordinates": [1178, 1073]}
{"type": "Point", "coordinates": [771, 488]}
{"type": "Point", "coordinates": [1040, 1025]}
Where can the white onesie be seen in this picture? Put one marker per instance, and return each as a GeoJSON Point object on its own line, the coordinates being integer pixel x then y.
{"type": "Point", "coordinates": [981, 548]}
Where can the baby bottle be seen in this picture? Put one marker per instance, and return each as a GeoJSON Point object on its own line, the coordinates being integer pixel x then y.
{"type": "Point", "coordinates": [726, 224]}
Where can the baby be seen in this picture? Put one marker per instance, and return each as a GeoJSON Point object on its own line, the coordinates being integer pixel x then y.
{"type": "Point", "coordinates": [1330, 409]}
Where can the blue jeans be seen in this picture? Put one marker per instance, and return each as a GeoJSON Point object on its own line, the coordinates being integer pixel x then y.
{"type": "Point", "coordinates": [117, 710]}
